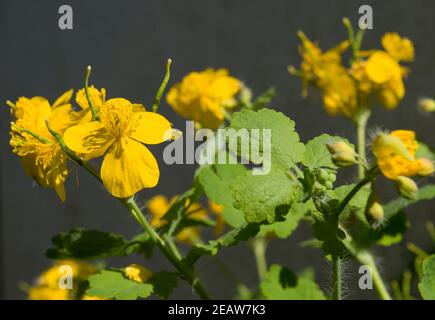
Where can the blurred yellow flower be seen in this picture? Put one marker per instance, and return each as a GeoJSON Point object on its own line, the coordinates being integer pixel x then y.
{"type": "Point", "coordinates": [395, 154]}
{"type": "Point", "coordinates": [137, 273]}
{"type": "Point", "coordinates": [47, 285]}
{"type": "Point", "coordinates": [204, 96]}
{"type": "Point", "coordinates": [347, 90]}
{"type": "Point", "coordinates": [401, 49]}
{"type": "Point", "coordinates": [128, 165]}
{"type": "Point", "coordinates": [217, 210]}
{"type": "Point", "coordinates": [40, 154]}
{"type": "Point", "coordinates": [159, 205]}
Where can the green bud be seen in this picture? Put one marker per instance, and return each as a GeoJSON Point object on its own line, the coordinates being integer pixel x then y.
{"type": "Point", "coordinates": [332, 177]}
{"type": "Point", "coordinates": [329, 185]}
{"type": "Point", "coordinates": [407, 187]}
{"type": "Point", "coordinates": [342, 154]}
{"type": "Point", "coordinates": [375, 214]}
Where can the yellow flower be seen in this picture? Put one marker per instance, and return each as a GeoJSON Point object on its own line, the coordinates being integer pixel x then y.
{"type": "Point", "coordinates": [47, 285]}
{"type": "Point", "coordinates": [204, 96]}
{"type": "Point", "coordinates": [325, 71]}
{"type": "Point", "coordinates": [395, 154]}
{"type": "Point", "coordinates": [46, 293]}
{"type": "Point", "coordinates": [401, 49]}
{"type": "Point", "coordinates": [137, 273]}
{"type": "Point", "coordinates": [217, 210]}
{"type": "Point", "coordinates": [40, 154]}
{"type": "Point", "coordinates": [385, 72]}
{"type": "Point", "coordinates": [86, 297]}
{"type": "Point", "coordinates": [128, 165]}
{"type": "Point", "coordinates": [98, 98]}
{"type": "Point", "coordinates": [159, 205]}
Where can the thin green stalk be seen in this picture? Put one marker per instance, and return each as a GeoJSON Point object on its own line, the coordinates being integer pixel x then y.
{"type": "Point", "coordinates": [172, 255]}
{"type": "Point", "coordinates": [162, 87]}
{"type": "Point", "coordinates": [361, 123]}
{"type": "Point", "coordinates": [336, 277]}
{"type": "Point", "coordinates": [88, 95]}
{"type": "Point", "coordinates": [259, 248]}
{"type": "Point", "coordinates": [366, 258]}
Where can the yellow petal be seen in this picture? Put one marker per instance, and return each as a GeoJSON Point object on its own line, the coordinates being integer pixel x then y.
{"type": "Point", "coordinates": [89, 138]}
{"type": "Point", "coordinates": [128, 167]}
{"type": "Point", "coordinates": [381, 67]}
{"type": "Point", "coordinates": [62, 118]}
{"type": "Point", "coordinates": [63, 99]}
{"type": "Point", "coordinates": [151, 128]}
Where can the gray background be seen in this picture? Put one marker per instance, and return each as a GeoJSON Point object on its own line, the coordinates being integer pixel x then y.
{"type": "Point", "coordinates": [127, 43]}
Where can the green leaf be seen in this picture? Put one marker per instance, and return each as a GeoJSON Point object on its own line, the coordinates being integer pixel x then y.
{"type": "Point", "coordinates": [230, 238]}
{"type": "Point", "coordinates": [283, 229]}
{"type": "Point", "coordinates": [424, 151]}
{"type": "Point", "coordinates": [316, 153]}
{"type": "Point", "coordinates": [286, 150]}
{"type": "Point", "coordinates": [164, 283]}
{"type": "Point", "coordinates": [427, 283]}
{"type": "Point", "coordinates": [215, 180]}
{"type": "Point", "coordinates": [92, 244]}
{"type": "Point", "coordinates": [393, 207]}
{"type": "Point", "coordinates": [283, 284]}
{"type": "Point", "coordinates": [110, 284]}
{"type": "Point", "coordinates": [389, 233]}
{"type": "Point", "coordinates": [265, 198]}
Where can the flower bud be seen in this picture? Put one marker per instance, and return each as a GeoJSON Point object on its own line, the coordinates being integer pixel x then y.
{"type": "Point", "coordinates": [426, 105]}
{"type": "Point", "coordinates": [342, 155]}
{"type": "Point", "coordinates": [375, 214]}
{"type": "Point", "coordinates": [425, 167]}
{"type": "Point", "coordinates": [407, 187]}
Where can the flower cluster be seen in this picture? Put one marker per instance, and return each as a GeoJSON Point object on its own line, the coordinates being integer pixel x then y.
{"type": "Point", "coordinates": [372, 77]}
{"type": "Point", "coordinates": [115, 129]}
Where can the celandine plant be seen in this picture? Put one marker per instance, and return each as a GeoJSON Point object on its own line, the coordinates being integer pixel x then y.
{"type": "Point", "coordinates": [240, 203]}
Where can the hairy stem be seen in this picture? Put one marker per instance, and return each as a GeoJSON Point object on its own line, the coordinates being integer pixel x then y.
{"type": "Point", "coordinates": [259, 247]}
{"type": "Point", "coordinates": [336, 277]}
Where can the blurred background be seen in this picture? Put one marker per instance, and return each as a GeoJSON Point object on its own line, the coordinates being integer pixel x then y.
{"type": "Point", "coordinates": [127, 44]}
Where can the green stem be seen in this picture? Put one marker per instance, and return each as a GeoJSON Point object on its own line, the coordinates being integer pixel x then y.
{"type": "Point", "coordinates": [88, 95]}
{"type": "Point", "coordinates": [366, 258]}
{"type": "Point", "coordinates": [353, 192]}
{"type": "Point", "coordinates": [361, 122]}
{"type": "Point", "coordinates": [162, 87]}
{"type": "Point", "coordinates": [259, 248]}
{"type": "Point", "coordinates": [168, 251]}
{"type": "Point", "coordinates": [336, 277]}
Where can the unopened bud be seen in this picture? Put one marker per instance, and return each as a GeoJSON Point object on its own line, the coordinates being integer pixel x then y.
{"type": "Point", "coordinates": [375, 214]}
{"type": "Point", "coordinates": [425, 167]}
{"type": "Point", "coordinates": [342, 154]}
{"type": "Point", "coordinates": [426, 105]}
{"type": "Point", "coordinates": [407, 187]}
